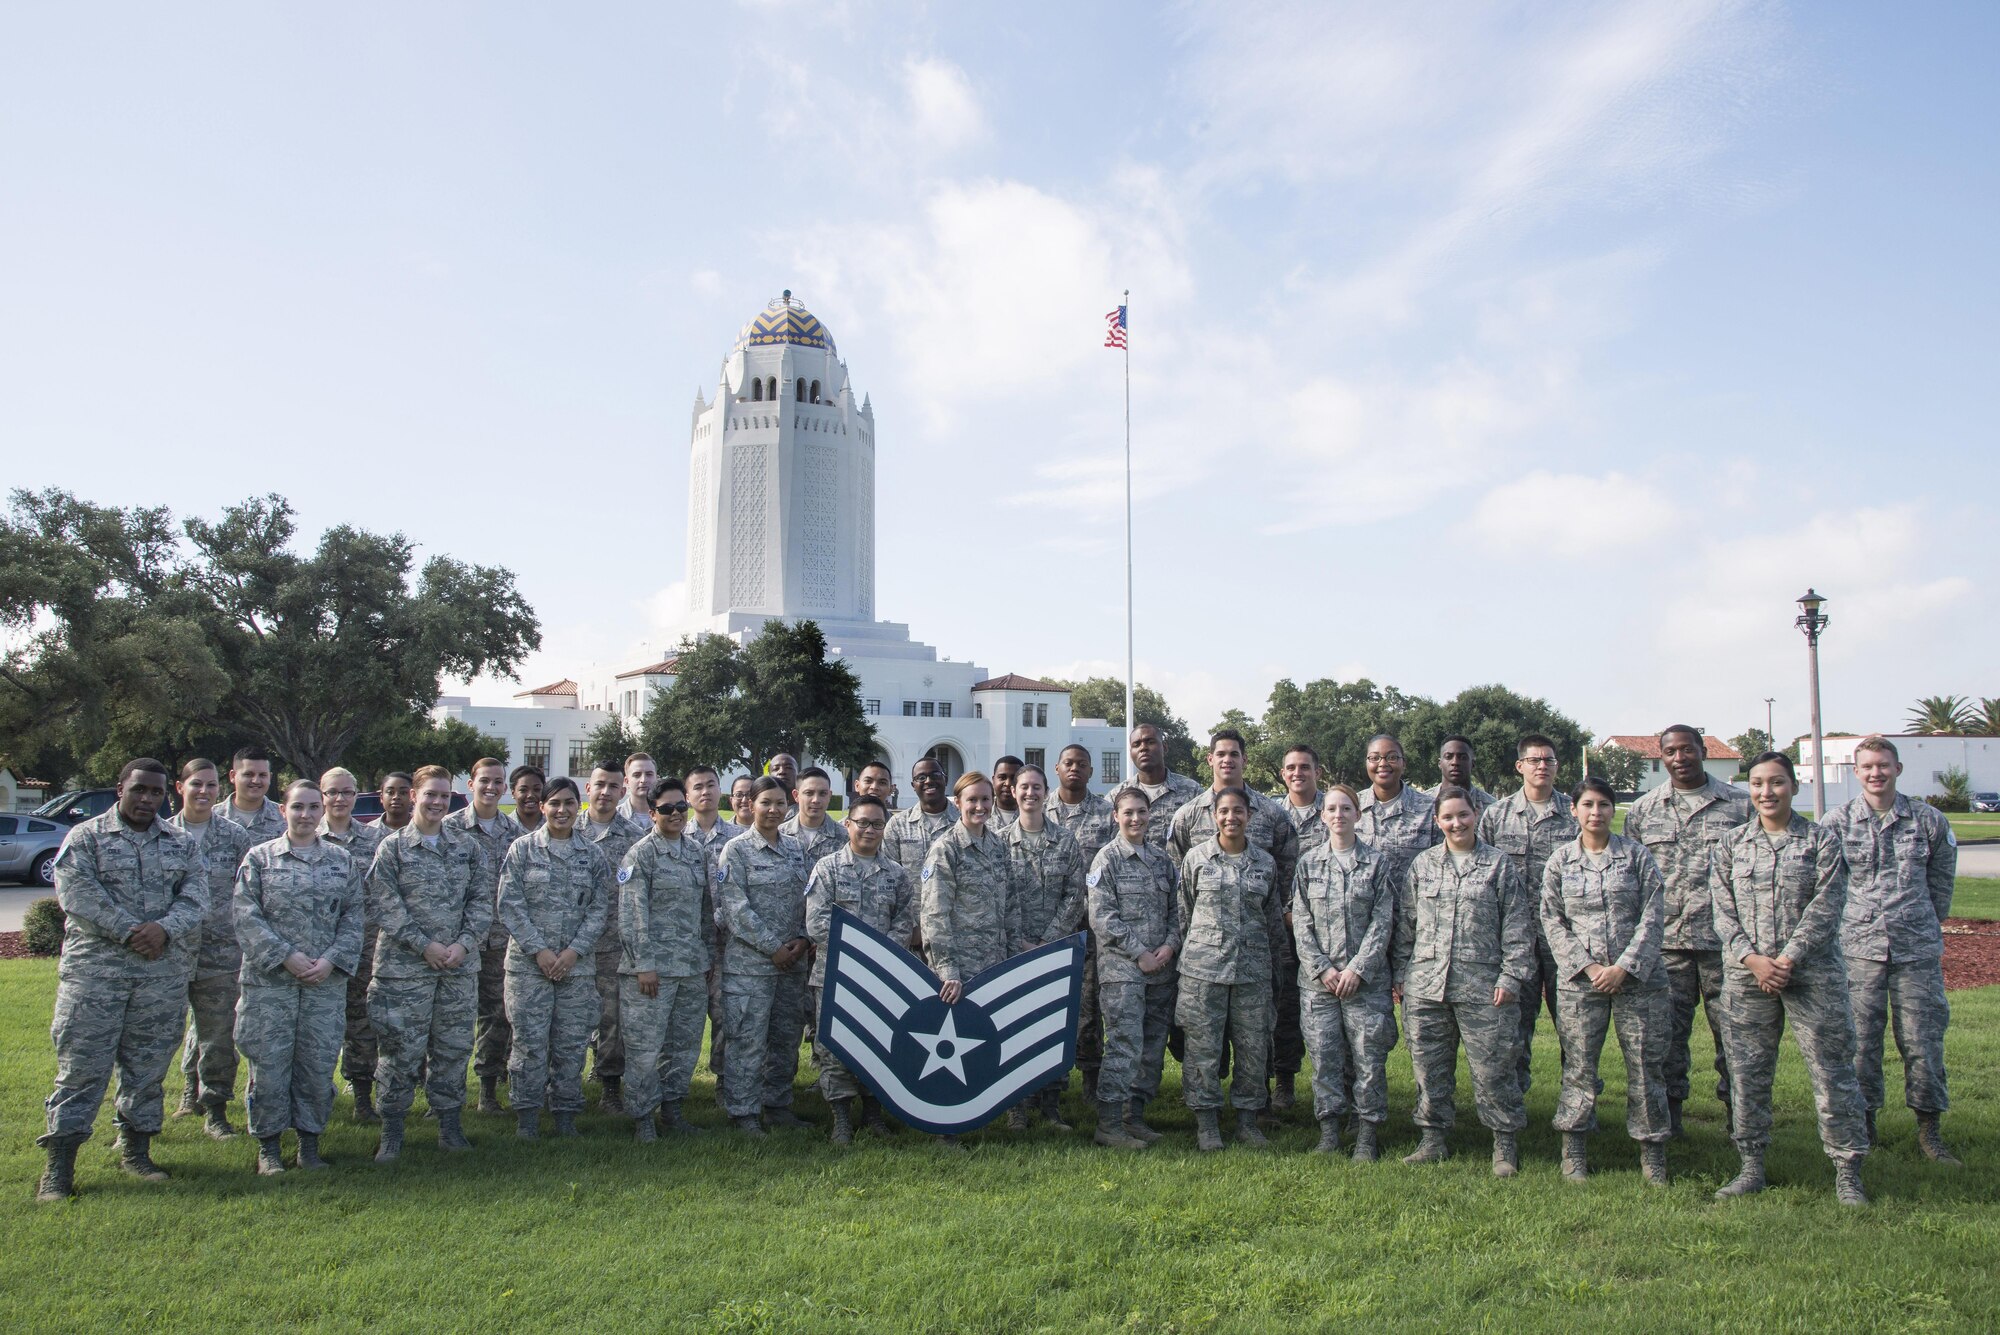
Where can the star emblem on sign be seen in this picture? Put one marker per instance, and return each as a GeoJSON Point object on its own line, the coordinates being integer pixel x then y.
{"type": "Point", "coordinates": [947, 1050]}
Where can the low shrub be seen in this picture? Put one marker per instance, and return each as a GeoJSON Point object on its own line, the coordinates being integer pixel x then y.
{"type": "Point", "coordinates": [42, 927]}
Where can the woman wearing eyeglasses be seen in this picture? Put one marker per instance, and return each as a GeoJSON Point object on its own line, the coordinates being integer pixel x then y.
{"type": "Point", "coordinates": [665, 906]}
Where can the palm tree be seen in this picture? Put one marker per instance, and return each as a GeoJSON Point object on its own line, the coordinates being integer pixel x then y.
{"type": "Point", "coordinates": [1988, 721]}
{"type": "Point", "coordinates": [1941, 713]}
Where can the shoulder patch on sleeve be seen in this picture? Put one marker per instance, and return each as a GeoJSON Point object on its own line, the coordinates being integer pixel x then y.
{"type": "Point", "coordinates": [927, 871]}
{"type": "Point", "coordinates": [1094, 877]}
{"type": "Point", "coordinates": [624, 875]}
{"type": "Point", "coordinates": [722, 871]}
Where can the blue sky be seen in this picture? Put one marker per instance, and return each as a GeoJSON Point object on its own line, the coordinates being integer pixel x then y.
{"type": "Point", "coordinates": [1560, 346]}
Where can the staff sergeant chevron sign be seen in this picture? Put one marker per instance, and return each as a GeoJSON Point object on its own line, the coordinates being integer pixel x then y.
{"type": "Point", "coordinates": [946, 1069]}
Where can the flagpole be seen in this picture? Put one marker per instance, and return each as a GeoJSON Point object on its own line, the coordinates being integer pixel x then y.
{"type": "Point", "coordinates": [1129, 719]}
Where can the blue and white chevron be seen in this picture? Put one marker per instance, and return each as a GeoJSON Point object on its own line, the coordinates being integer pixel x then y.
{"type": "Point", "coordinates": [947, 1069]}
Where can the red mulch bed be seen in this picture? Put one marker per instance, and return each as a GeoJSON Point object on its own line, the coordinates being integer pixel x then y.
{"type": "Point", "coordinates": [11, 947]}
{"type": "Point", "coordinates": [1971, 953]}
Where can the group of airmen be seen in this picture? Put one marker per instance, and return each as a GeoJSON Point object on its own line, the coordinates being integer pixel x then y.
{"type": "Point", "coordinates": [620, 921]}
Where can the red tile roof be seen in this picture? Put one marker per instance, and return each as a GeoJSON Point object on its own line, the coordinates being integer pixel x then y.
{"type": "Point", "coordinates": [1648, 748]}
{"type": "Point", "coordinates": [666, 667]}
{"type": "Point", "coordinates": [1014, 681]}
{"type": "Point", "coordinates": [563, 687]}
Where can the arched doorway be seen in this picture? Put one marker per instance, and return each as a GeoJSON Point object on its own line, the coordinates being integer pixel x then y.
{"type": "Point", "coordinates": [948, 756]}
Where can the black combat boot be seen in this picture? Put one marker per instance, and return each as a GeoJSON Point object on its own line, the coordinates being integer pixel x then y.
{"type": "Point", "coordinates": [1873, 1140]}
{"type": "Point", "coordinates": [1367, 1142]}
{"type": "Point", "coordinates": [1135, 1122]}
{"type": "Point", "coordinates": [270, 1156]}
{"type": "Point", "coordinates": [750, 1125]}
{"type": "Point", "coordinates": [843, 1123]}
{"type": "Point", "coordinates": [1329, 1136]}
{"type": "Point", "coordinates": [872, 1118]}
{"type": "Point", "coordinates": [674, 1122]}
{"type": "Point", "coordinates": [1674, 1126]}
{"type": "Point", "coordinates": [527, 1123]}
{"type": "Point", "coordinates": [1284, 1092]}
{"type": "Point", "coordinates": [215, 1121]}
{"type": "Point", "coordinates": [783, 1119]}
{"type": "Point", "coordinates": [133, 1156]}
{"type": "Point", "coordinates": [1111, 1129]}
{"type": "Point", "coordinates": [451, 1135]}
{"type": "Point", "coordinates": [565, 1125]}
{"type": "Point", "coordinates": [1017, 1117]}
{"type": "Point", "coordinates": [308, 1155]}
{"type": "Point", "coordinates": [1050, 1104]}
{"type": "Point", "coordinates": [645, 1130]}
{"type": "Point", "coordinates": [390, 1148]}
{"type": "Point", "coordinates": [59, 1177]}
{"type": "Point", "coordinates": [489, 1095]}
{"type": "Point", "coordinates": [364, 1102]}
{"type": "Point", "coordinates": [613, 1098]}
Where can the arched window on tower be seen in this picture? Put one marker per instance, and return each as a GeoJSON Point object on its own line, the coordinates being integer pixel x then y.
{"type": "Point", "coordinates": [771, 389]}
{"type": "Point", "coordinates": [815, 391]}
{"type": "Point", "coordinates": [801, 390]}
{"type": "Point", "coordinates": [757, 390]}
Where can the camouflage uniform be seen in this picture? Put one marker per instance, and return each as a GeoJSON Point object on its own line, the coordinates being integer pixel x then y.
{"type": "Point", "coordinates": [1000, 819]}
{"type": "Point", "coordinates": [666, 926]}
{"type": "Point", "coordinates": [491, 1035]}
{"type": "Point", "coordinates": [423, 1016]}
{"type": "Point", "coordinates": [910, 834]}
{"type": "Point", "coordinates": [307, 900]}
{"type": "Point", "coordinates": [1784, 897]}
{"type": "Point", "coordinates": [711, 843]}
{"type": "Point", "coordinates": [115, 1008]}
{"type": "Point", "coordinates": [614, 838]}
{"type": "Point", "coordinates": [1047, 871]}
{"type": "Point", "coordinates": [1344, 912]}
{"type": "Point", "coordinates": [1512, 826]}
{"type": "Point", "coordinates": [1176, 792]}
{"type": "Point", "coordinates": [208, 1056]}
{"type": "Point", "coordinates": [357, 1049]}
{"type": "Point", "coordinates": [761, 894]}
{"type": "Point", "coordinates": [1608, 909]}
{"type": "Point", "coordinates": [1231, 919]}
{"type": "Point", "coordinates": [876, 890]}
{"type": "Point", "coordinates": [965, 904]}
{"type": "Point", "coordinates": [1094, 825]}
{"type": "Point", "coordinates": [265, 823]}
{"type": "Point", "coordinates": [1271, 830]}
{"type": "Point", "coordinates": [1134, 898]}
{"type": "Point", "coordinates": [1460, 935]}
{"type": "Point", "coordinates": [830, 837]}
{"type": "Point", "coordinates": [1399, 828]}
{"type": "Point", "coordinates": [1900, 876]}
{"type": "Point", "coordinates": [1481, 799]}
{"type": "Point", "coordinates": [555, 894]}
{"type": "Point", "coordinates": [1307, 822]}
{"type": "Point", "coordinates": [640, 816]}
{"type": "Point", "coordinates": [1680, 830]}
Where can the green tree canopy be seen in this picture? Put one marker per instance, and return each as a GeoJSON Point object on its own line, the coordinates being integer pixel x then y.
{"type": "Point", "coordinates": [1104, 697]}
{"type": "Point", "coordinates": [1942, 713]}
{"type": "Point", "coordinates": [611, 741]}
{"type": "Point", "coordinates": [135, 636]}
{"type": "Point", "coordinates": [1622, 769]}
{"type": "Point", "coordinates": [412, 740]}
{"type": "Point", "coordinates": [731, 705]}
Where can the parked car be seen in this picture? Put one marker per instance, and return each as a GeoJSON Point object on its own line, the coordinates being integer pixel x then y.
{"type": "Point", "coordinates": [1986, 801]}
{"type": "Point", "coordinates": [79, 804]}
{"type": "Point", "coordinates": [368, 806]}
{"type": "Point", "coordinates": [28, 845]}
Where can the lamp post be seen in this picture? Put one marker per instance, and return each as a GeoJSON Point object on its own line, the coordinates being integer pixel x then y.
{"type": "Point", "coordinates": [1812, 621]}
{"type": "Point", "coordinates": [1770, 735]}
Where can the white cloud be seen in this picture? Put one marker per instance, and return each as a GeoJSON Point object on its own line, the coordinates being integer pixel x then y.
{"type": "Point", "coordinates": [1568, 515]}
{"type": "Point", "coordinates": [944, 111]}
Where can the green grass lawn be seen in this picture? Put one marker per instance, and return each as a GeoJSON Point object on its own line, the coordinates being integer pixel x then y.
{"type": "Point", "coordinates": [1976, 897]}
{"type": "Point", "coordinates": [1975, 827]}
{"type": "Point", "coordinates": [1041, 1232]}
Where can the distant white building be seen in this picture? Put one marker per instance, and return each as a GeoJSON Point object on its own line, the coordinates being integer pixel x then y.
{"type": "Point", "coordinates": [1925, 757]}
{"type": "Point", "coordinates": [1719, 758]}
{"type": "Point", "coordinates": [781, 524]}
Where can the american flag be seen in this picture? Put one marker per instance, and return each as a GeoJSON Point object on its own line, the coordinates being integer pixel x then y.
{"type": "Point", "coordinates": [1114, 336]}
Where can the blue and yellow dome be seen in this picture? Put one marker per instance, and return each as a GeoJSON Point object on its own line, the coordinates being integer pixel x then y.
{"type": "Point", "coordinates": [785, 321]}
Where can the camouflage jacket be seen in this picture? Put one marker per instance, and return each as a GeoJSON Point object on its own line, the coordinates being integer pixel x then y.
{"type": "Point", "coordinates": [1608, 914]}
{"type": "Point", "coordinates": [505, 831]}
{"type": "Point", "coordinates": [1900, 877]}
{"type": "Point", "coordinates": [1527, 839]}
{"type": "Point", "coordinates": [830, 837]}
{"type": "Point", "coordinates": [666, 908]}
{"type": "Point", "coordinates": [1682, 844]}
{"type": "Point", "coordinates": [1134, 908]}
{"type": "Point", "coordinates": [614, 838]}
{"type": "Point", "coordinates": [1267, 829]}
{"type": "Point", "coordinates": [1400, 828]}
{"type": "Point", "coordinates": [1783, 898]}
{"type": "Point", "coordinates": [762, 892]}
{"type": "Point", "coordinates": [1231, 914]}
{"type": "Point", "coordinates": [554, 898]}
{"type": "Point", "coordinates": [911, 833]}
{"type": "Point", "coordinates": [360, 841]}
{"type": "Point", "coordinates": [1048, 872]}
{"type": "Point", "coordinates": [876, 890]}
{"type": "Point", "coordinates": [1090, 821]}
{"type": "Point", "coordinates": [1161, 810]}
{"type": "Point", "coordinates": [711, 844]}
{"type": "Point", "coordinates": [1460, 934]}
{"type": "Point", "coordinates": [419, 894]}
{"type": "Point", "coordinates": [267, 822]}
{"type": "Point", "coordinates": [1481, 799]}
{"type": "Point", "coordinates": [1308, 822]}
{"type": "Point", "coordinates": [298, 899]}
{"type": "Point", "coordinates": [1000, 820]}
{"type": "Point", "coordinates": [223, 844]}
{"type": "Point", "coordinates": [1344, 917]}
{"type": "Point", "coordinates": [965, 904]}
{"type": "Point", "coordinates": [112, 879]}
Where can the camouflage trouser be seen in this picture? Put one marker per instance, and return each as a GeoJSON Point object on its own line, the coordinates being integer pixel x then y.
{"type": "Point", "coordinates": [1136, 1019]}
{"type": "Point", "coordinates": [662, 1039]}
{"type": "Point", "coordinates": [1536, 992]}
{"type": "Point", "coordinates": [1753, 1022]}
{"type": "Point", "coordinates": [607, 1045]}
{"type": "Point", "coordinates": [1915, 988]}
{"type": "Point", "coordinates": [357, 1054]}
{"type": "Point", "coordinates": [551, 1025]}
{"type": "Point", "coordinates": [208, 1056]}
{"type": "Point", "coordinates": [424, 1024]}
{"type": "Point", "coordinates": [290, 1034]}
{"type": "Point", "coordinates": [1492, 1037]}
{"type": "Point", "coordinates": [130, 1025]}
{"type": "Point", "coordinates": [1089, 1021]}
{"type": "Point", "coordinates": [1641, 1017]}
{"type": "Point", "coordinates": [1349, 1042]}
{"type": "Point", "coordinates": [492, 1032]}
{"type": "Point", "coordinates": [1210, 1014]}
{"type": "Point", "coordinates": [1694, 977]}
{"type": "Point", "coordinates": [762, 1017]}
{"type": "Point", "coordinates": [1288, 1044]}
{"type": "Point", "coordinates": [835, 1080]}
{"type": "Point", "coordinates": [717, 1029]}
